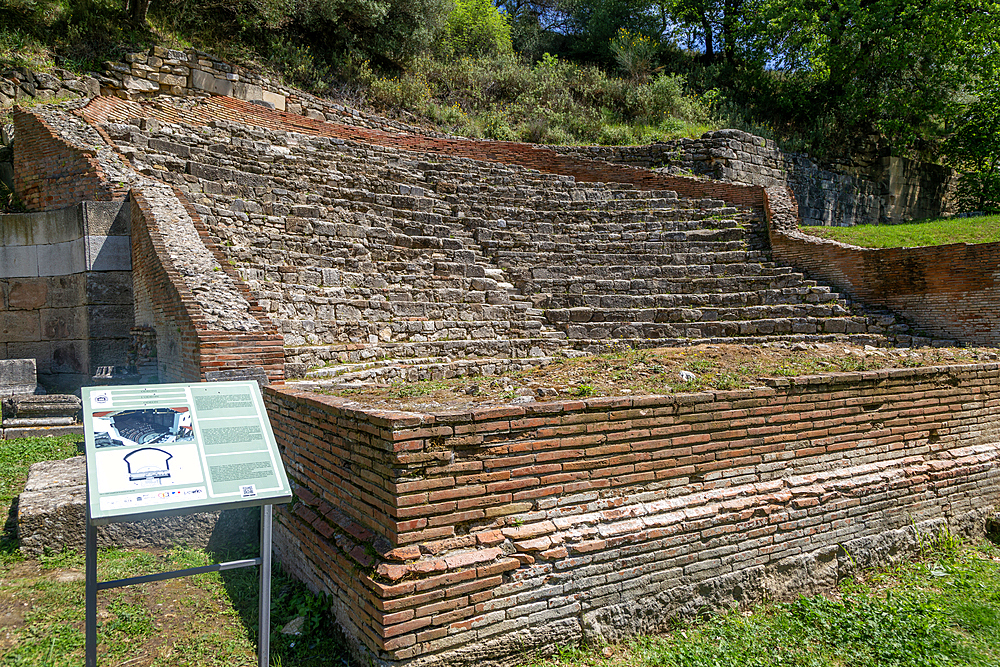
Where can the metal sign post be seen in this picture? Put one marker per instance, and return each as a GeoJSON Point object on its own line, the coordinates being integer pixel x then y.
{"type": "Point", "coordinates": [170, 450]}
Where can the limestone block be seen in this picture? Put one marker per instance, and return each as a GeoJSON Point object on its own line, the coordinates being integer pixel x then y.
{"type": "Point", "coordinates": [51, 513]}
{"type": "Point", "coordinates": [247, 91]}
{"type": "Point", "coordinates": [18, 261]}
{"type": "Point", "coordinates": [108, 253]}
{"type": "Point", "coordinates": [202, 80]}
{"type": "Point", "coordinates": [28, 294]}
{"type": "Point", "coordinates": [29, 406]}
{"type": "Point", "coordinates": [173, 80]}
{"type": "Point", "coordinates": [19, 326]}
{"type": "Point", "coordinates": [63, 323]}
{"type": "Point", "coordinates": [17, 376]}
{"type": "Point", "coordinates": [274, 98]}
{"type": "Point", "coordinates": [134, 84]}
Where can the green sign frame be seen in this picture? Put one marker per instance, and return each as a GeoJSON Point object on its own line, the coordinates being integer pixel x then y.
{"type": "Point", "coordinates": [173, 449]}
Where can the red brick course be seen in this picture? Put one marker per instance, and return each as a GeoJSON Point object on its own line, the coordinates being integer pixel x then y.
{"type": "Point", "coordinates": [50, 173]}
{"type": "Point", "coordinates": [746, 478]}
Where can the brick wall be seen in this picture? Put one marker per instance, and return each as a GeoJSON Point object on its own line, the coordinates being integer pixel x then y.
{"type": "Point", "coordinates": [187, 347]}
{"type": "Point", "coordinates": [948, 291]}
{"type": "Point", "coordinates": [51, 173]}
{"type": "Point", "coordinates": [493, 531]}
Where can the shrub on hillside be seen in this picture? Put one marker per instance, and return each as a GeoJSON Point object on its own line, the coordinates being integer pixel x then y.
{"type": "Point", "coordinates": [476, 28]}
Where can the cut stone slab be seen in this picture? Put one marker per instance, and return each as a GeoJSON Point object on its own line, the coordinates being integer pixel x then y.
{"type": "Point", "coordinates": [52, 510]}
{"type": "Point", "coordinates": [17, 376]}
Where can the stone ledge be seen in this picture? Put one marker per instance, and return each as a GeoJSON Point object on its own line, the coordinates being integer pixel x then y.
{"type": "Point", "coordinates": [51, 511]}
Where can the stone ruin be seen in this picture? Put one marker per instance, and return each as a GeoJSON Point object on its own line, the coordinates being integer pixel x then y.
{"type": "Point", "coordinates": [300, 236]}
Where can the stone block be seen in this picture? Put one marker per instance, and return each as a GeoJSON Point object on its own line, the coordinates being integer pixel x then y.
{"type": "Point", "coordinates": [63, 323]}
{"type": "Point", "coordinates": [69, 357]}
{"type": "Point", "coordinates": [56, 259]}
{"type": "Point", "coordinates": [106, 218]}
{"type": "Point", "coordinates": [274, 98]}
{"type": "Point", "coordinates": [136, 85]}
{"type": "Point", "coordinates": [109, 287]}
{"type": "Point", "coordinates": [110, 321]}
{"type": "Point", "coordinates": [202, 80]}
{"type": "Point", "coordinates": [18, 261]}
{"type": "Point", "coordinates": [12, 432]}
{"type": "Point", "coordinates": [40, 407]}
{"type": "Point", "coordinates": [66, 291]}
{"type": "Point", "coordinates": [108, 253]}
{"type": "Point", "coordinates": [247, 91]}
{"type": "Point", "coordinates": [28, 294]}
{"type": "Point", "coordinates": [51, 514]}
{"type": "Point", "coordinates": [17, 376]}
{"type": "Point", "coordinates": [20, 326]}
{"type": "Point", "coordinates": [173, 80]}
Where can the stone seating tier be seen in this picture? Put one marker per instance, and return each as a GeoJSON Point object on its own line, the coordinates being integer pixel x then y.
{"type": "Point", "coordinates": [345, 243]}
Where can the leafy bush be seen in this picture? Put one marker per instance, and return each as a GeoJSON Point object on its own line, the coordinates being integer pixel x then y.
{"type": "Point", "coordinates": [634, 53]}
{"type": "Point", "coordinates": [477, 28]}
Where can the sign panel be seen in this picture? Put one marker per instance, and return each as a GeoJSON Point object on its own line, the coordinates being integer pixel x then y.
{"type": "Point", "coordinates": [157, 450]}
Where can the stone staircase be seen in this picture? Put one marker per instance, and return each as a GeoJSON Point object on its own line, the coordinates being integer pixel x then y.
{"type": "Point", "coordinates": [363, 254]}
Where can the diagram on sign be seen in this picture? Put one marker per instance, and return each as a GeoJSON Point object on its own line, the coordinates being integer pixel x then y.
{"type": "Point", "coordinates": [149, 464]}
{"type": "Point", "coordinates": [146, 449]}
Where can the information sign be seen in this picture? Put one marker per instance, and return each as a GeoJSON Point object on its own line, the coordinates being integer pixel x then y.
{"type": "Point", "coordinates": [169, 449]}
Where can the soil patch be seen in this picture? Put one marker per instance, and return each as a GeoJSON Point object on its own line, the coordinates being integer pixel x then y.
{"type": "Point", "coordinates": [652, 371]}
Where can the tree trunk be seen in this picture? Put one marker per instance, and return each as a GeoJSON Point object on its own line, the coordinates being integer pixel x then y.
{"type": "Point", "coordinates": [136, 10]}
{"type": "Point", "coordinates": [706, 26]}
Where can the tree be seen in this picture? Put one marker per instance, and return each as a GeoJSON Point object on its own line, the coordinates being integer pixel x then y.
{"type": "Point", "coordinates": [974, 148]}
{"type": "Point", "coordinates": [891, 66]}
{"type": "Point", "coordinates": [477, 27]}
{"type": "Point", "coordinates": [136, 10]}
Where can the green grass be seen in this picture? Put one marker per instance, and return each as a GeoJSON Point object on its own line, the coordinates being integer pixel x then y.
{"type": "Point", "coordinates": [942, 610]}
{"type": "Point", "coordinates": [16, 456]}
{"type": "Point", "coordinates": [985, 229]}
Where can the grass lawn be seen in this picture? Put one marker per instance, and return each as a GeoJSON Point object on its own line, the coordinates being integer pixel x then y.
{"type": "Point", "coordinates": [985, 229]}
{"type": "Point", "coordinates": [940, 609]}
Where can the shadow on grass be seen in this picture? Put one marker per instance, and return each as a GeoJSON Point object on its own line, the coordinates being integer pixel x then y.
{"type": "Point", "coordinates": [320, 642]}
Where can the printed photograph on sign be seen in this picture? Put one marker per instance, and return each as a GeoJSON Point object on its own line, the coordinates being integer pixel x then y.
{"type": "Point", "coordinates": [129, 428]}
